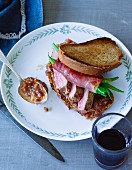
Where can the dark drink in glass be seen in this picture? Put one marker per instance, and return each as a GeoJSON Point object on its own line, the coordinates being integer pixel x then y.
{"type": "Point", "coordinates": [112, 138]}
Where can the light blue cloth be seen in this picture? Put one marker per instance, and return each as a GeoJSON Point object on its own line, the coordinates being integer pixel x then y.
{"type": "Point", "coordinates": [17, 18]}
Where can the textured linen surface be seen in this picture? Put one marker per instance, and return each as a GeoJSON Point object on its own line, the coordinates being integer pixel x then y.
{"type": "Point", "coordinates": [17, 18]}
{"type": "Point", "coordinates": [17, 151]}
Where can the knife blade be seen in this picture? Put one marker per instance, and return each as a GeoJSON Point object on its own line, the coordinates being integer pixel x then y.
{"type": "Point", "coordinates": [42, 141]}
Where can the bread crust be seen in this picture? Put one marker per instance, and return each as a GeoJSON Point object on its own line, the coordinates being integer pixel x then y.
{"type": "Point", "coordinates": [83, 68]}
{"type": "Point", "coordinates": [88, 68]}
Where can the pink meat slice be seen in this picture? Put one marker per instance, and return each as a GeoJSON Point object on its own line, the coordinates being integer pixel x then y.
{"type": "Point", "coordinates": [73, 91]}
{"type": "Point", "coordinates": [82, 102]}
{"type": "Point", "coordinates": [54, 54]}
{"type": "Point", "coordinates": [81, 80]}
{"type": "Point", "coordinates": [60, 80]}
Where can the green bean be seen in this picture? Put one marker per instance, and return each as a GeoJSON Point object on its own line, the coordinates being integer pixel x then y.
{"type": "Point", "coordinates": [103, 91]}
{"type": "Point", "coordinates": [100, 90]}
{"type": "Point", "coordinates": [55, 47]}
{"type": "Point", "coordinates": [52, 61]}
{"type": "Point", "coordinates": [106, 85]}
{"type": "Point", "coordinates": [108, 80]}
{"type": "Point", "coordinates": [108, 93]}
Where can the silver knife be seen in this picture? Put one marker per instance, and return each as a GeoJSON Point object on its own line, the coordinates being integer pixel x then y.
{"type": "Point", "coordinates": [42, 141]}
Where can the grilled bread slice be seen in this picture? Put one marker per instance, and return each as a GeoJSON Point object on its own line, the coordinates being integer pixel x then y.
{"type": "Point", "coordinates": [92, 57]}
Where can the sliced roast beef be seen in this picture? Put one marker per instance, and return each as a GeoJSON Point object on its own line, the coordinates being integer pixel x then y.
{"type": "Point", "coordinates": [100, 104]}
{"type": "Point", "coordinates": [76, 93]}
{"type": "Point", "coordinates": [90, 100]}
{"type": "Point", "coordinates": [66, 89]}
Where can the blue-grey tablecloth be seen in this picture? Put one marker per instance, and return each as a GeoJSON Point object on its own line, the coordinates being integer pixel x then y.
{"type": "Point", "coordinates": [17, 151]}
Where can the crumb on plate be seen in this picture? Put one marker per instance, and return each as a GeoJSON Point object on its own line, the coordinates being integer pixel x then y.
{"type": "Point", "coordinates": [46, 109]}
{"type": "Point", "coordinates": [40, 67]}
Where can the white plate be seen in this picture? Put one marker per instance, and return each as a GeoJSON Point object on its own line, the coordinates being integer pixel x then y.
{"type": "Point", "coordinates": [27, 57]}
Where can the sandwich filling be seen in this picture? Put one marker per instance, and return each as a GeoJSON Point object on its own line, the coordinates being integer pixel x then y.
{"type": "Point", "coordinates": [77, 90]}
{"type": "Point", "coordinates": [87, 103]}
{"type": "Point", "coordinates": [85, 81]}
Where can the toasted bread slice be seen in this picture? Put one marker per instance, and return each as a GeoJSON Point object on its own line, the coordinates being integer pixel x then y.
{"type": "Point", "coordinates": [92, 57]}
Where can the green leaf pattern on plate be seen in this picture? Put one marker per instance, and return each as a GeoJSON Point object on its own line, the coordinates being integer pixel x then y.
{"type": "Point", "coordinates": [65, 29]}
{"type": "Point", "coordinates": [85, 30]}
{"type": "Point", "coordinates": [8, 82]}
{"type": "Point", "coordinates": [128, 77]}
{"type": "Point", "coordinates": [42, 35]}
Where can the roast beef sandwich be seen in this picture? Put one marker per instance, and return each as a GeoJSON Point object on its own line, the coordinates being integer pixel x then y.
{"type": "Point", "coordinates": [75, 74]}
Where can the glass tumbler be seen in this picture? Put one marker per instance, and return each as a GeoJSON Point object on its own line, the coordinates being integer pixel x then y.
{"type": "Point", "coordinates": [109, 158]}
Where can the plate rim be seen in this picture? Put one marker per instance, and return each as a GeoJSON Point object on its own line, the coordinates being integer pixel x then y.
{"type": "Point", "coordinates": [13, 49]}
